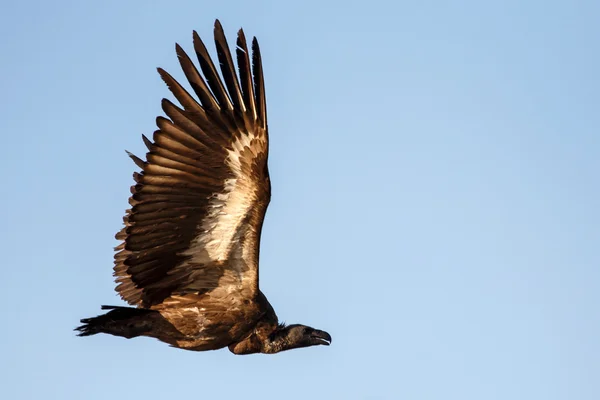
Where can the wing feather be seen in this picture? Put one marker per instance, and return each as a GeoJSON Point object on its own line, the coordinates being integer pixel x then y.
{"type": "Point", "coordinates": [245, 74]}
{"type": "Point", "coordinates": [211, 74]}
{"type": "Point", "coordinates": [259, 84]}
{"type": "Point", "coordinates": [196, 81]}
{"type": "Point", "coordinates": [182, 95]}
{"type": "Point", "coordinates": [138, 161]}
{"type": "Point", "coordinates": [228, 69]}
{"type": "Point", "coordinates": [147, 142]}
{"type": "Point", "coordinates": [188, 124]}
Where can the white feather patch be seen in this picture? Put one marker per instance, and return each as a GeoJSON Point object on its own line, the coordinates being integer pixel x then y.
{"type": "Point", "coordinates": [227, 209]}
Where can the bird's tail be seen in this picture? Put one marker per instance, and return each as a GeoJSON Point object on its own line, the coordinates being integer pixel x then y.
{"type": "Point", "coordinates": [120, 321]}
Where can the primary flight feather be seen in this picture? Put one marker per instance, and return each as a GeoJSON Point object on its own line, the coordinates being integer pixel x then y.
{"type": "Point", "coordinates": [189, 255]}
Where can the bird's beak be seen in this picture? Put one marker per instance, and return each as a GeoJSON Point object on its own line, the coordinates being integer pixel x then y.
{"type": "Point", "coordinates": [320, 337]}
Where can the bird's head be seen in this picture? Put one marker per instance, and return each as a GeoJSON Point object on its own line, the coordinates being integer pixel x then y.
{"type": "Point", "coordinates": [296, 336]}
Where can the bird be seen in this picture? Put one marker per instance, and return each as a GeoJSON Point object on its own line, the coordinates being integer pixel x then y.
{"type": "Point", "coordinates": [188, 258]}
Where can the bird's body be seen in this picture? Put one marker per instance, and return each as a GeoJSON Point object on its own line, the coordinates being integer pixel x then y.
{"type": "Point", "coordinates": [189, 254]}
{"type": "Point", "coordinates": [204, 327]}
{"type": "Point", "coordinates": [194, 322]}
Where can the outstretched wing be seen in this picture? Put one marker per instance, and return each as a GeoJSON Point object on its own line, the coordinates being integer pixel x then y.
{"type": "Point", "coordinates": [199, 202]}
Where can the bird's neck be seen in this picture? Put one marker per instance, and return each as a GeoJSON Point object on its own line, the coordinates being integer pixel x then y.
{"type": "Point", "coordinates": [259, 341]}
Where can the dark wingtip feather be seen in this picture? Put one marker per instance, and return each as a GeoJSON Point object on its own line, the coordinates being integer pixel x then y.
{"type": "Point", "coordinates": [161, 72]}
{"type": "Point", "coordinates": [195, 79]}
{"type": "Point", "coordinates": [147, 142]}
{"type": "Point", "coordinates": [210, 73]}
{"type": "Point", "coordinates": [259, 83]}
{"type": "Point", "coordinates": [241, 37]}
{"type": "Point", "coordinates": [179, 51]}
{"type": "Point", "coordinates": [245, 72]}
{"type": "Point", "coordinates": [138, 161]}
{"type": "Point", "coordinates": [228, 68]}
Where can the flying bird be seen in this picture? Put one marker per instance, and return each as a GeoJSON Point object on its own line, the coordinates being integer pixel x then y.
{"type": "Point", "coordinates": [189, 257]}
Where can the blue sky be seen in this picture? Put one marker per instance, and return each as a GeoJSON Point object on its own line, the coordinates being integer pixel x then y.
{"type": "Point", "coordinates": [435, 206]}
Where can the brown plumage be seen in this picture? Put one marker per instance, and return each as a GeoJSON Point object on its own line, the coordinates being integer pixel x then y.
{"type": "Point", "coordinates": [189, 256]}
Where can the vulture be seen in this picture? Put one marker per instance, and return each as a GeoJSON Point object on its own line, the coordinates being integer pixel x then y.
{"type": "Point", "coordinates": [189, 253]}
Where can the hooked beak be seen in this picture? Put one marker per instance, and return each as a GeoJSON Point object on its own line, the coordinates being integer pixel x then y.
{"type": "Point", "coordinates": [320, 337]}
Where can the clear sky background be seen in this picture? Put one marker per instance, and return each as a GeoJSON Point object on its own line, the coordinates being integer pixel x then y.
{"type": "Point", "coordinates": [436, 201]}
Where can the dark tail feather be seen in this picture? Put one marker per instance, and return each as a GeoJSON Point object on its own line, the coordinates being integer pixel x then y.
{"type": "Point", "coordinates": [120, 321]}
